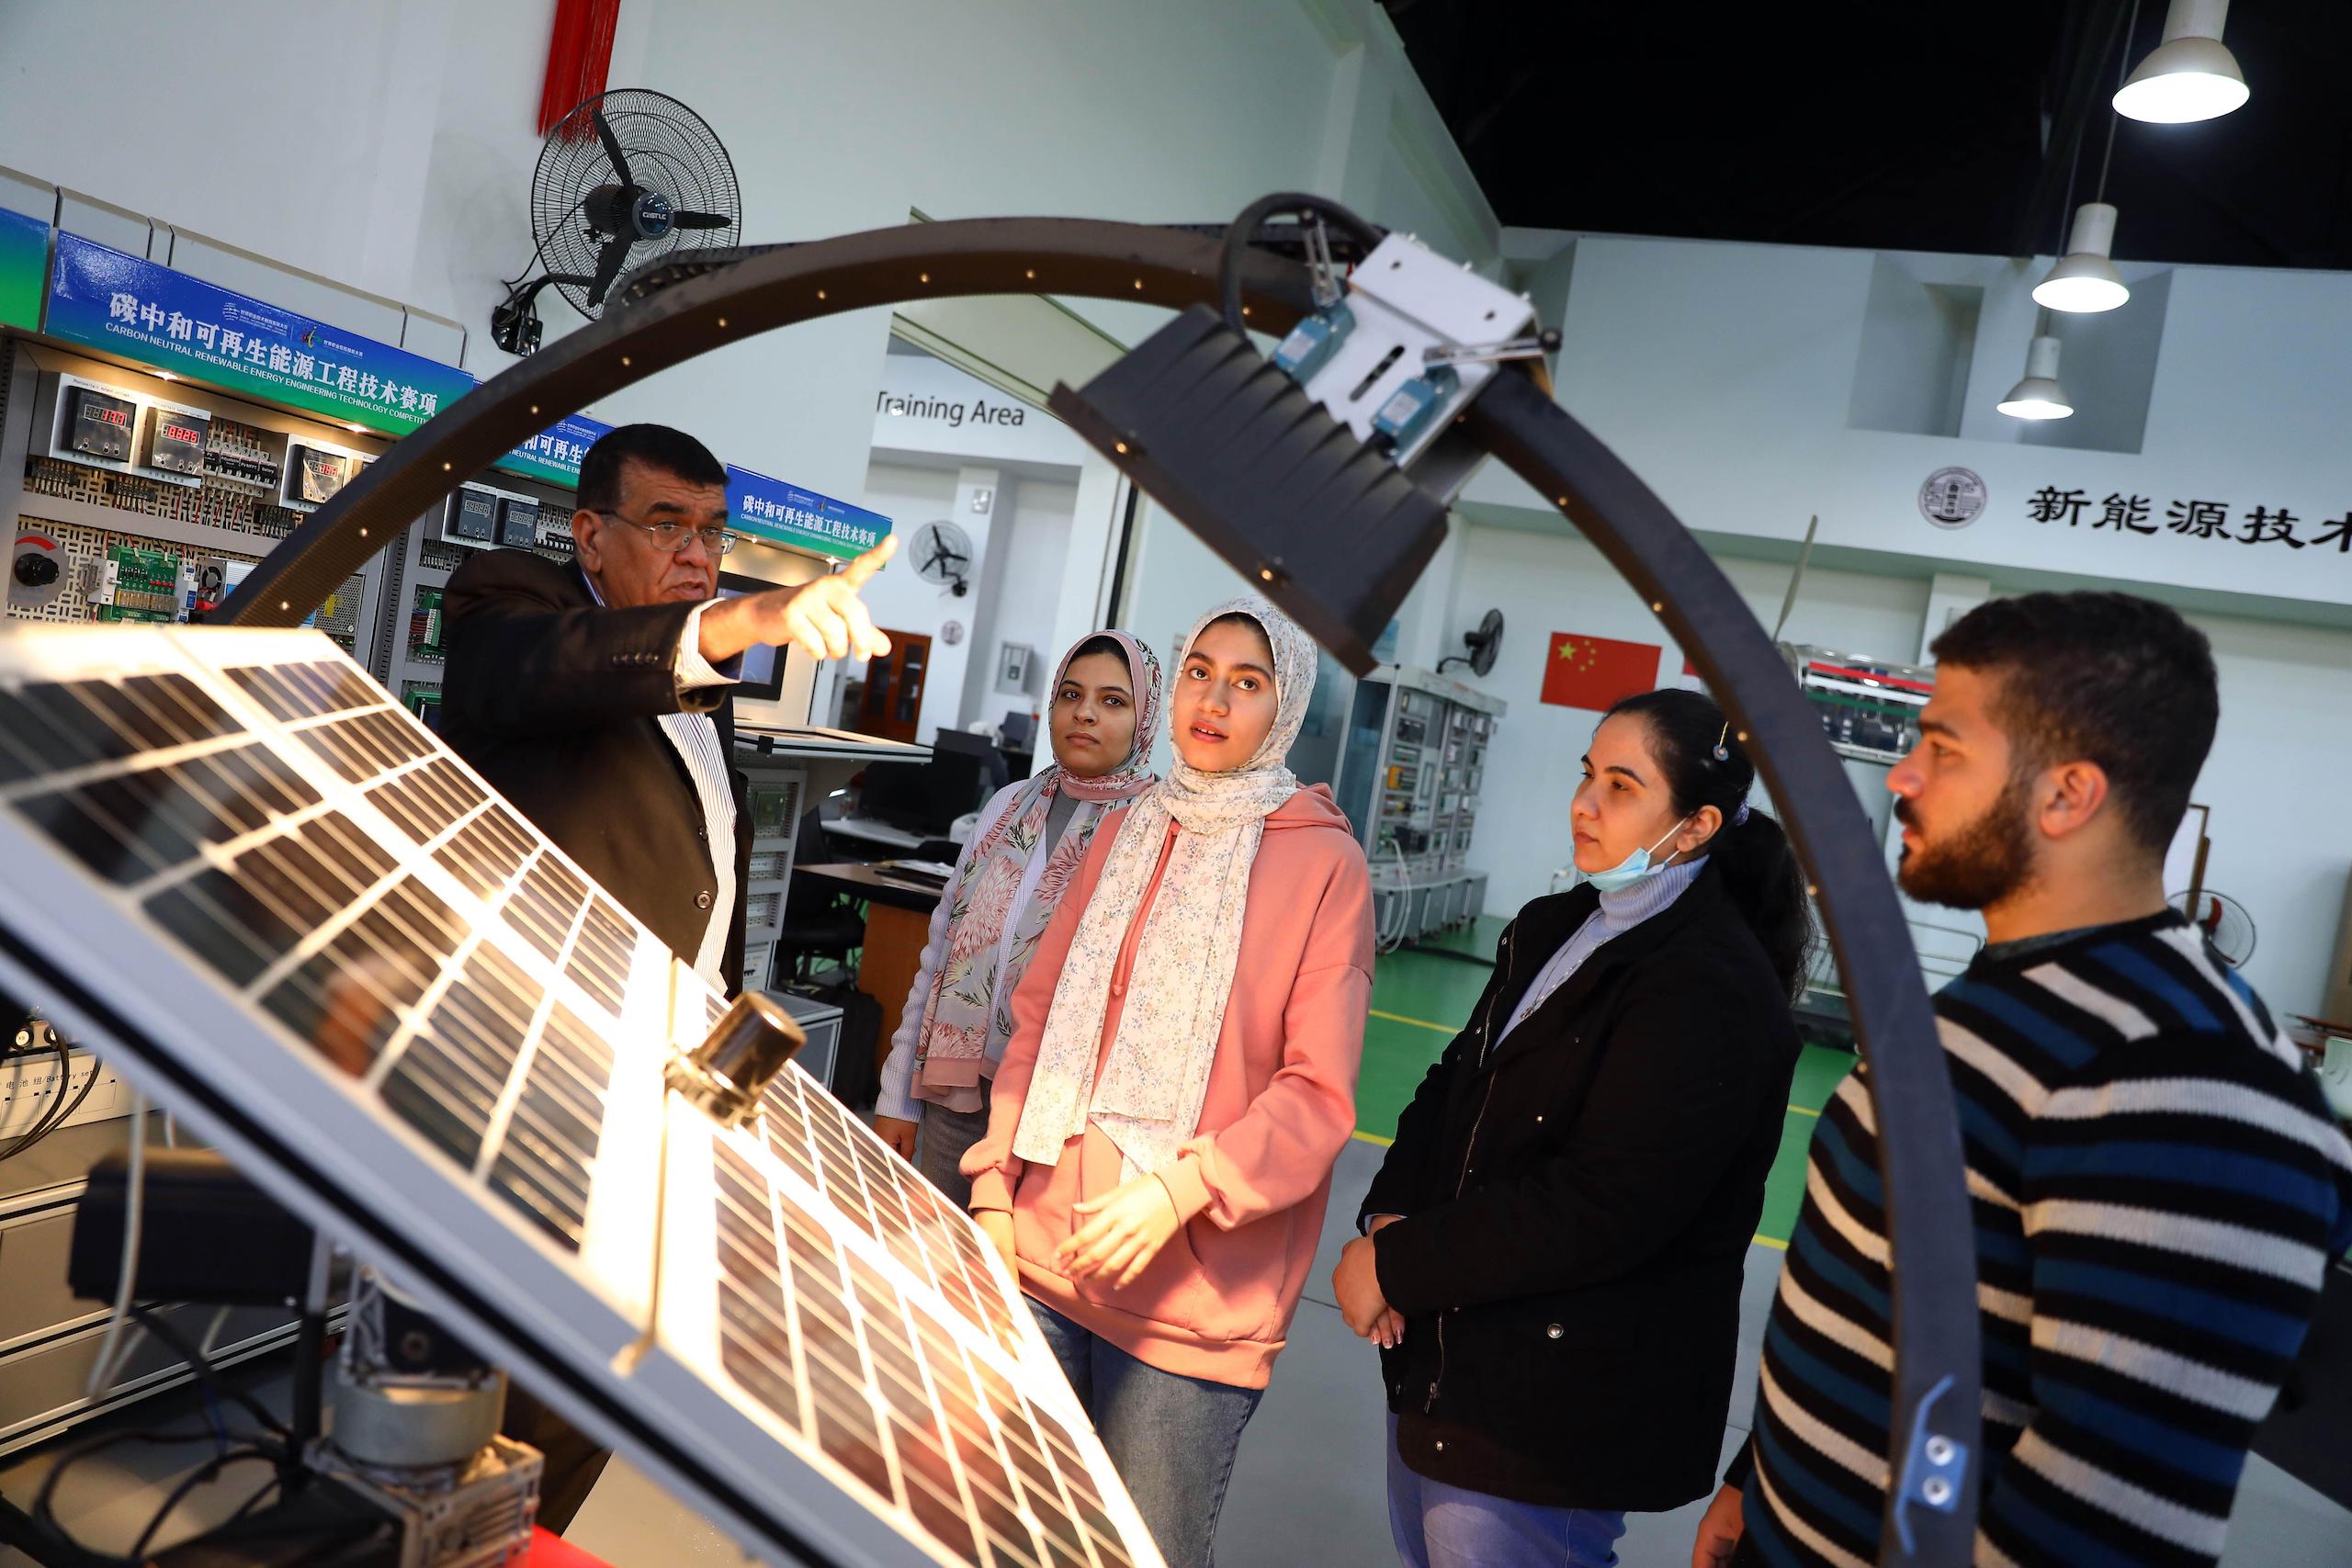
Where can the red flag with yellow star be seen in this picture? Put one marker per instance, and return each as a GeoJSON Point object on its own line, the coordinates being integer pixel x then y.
{"type": "Point", "coordinates": [1593, 672]}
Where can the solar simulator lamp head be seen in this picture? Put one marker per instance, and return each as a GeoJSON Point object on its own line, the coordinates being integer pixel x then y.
{"type": "Point", "coordinates": [1324, 474]}
{"type": "Point", "coordinates": [726, 1073]}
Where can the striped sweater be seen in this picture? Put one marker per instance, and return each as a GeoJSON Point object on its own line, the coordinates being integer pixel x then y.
{"type": "Point", "coordinates": [2158, 1189]}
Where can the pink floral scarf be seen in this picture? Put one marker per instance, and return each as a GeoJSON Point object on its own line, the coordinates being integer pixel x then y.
{"type": "Point", "coordinates": [967, 1017]}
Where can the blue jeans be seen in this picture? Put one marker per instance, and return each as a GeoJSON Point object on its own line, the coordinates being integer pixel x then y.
{"type": "Point", "coordinates": [1436, 1526]}
{"type": "Point", "coordinates": [1172, 1437]}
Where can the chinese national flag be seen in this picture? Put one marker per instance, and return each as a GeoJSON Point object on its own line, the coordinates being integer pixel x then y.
{"type": "Point", "coordinates": [1592, 673]}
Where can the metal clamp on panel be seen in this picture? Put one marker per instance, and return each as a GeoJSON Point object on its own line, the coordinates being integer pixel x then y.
{"type": "Point", "coordinates": [726, 1073]}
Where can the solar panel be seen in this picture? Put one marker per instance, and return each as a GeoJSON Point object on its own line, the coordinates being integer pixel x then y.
{"type": "Point", "coordinates": [311, 929]}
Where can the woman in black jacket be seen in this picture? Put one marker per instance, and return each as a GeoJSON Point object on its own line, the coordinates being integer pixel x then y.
{"type": "Point", "coordinates": [1554, 1246]}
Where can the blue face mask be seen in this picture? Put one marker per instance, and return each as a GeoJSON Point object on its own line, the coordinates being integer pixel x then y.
{"type": "Point", "coordinates": [1634, 866]}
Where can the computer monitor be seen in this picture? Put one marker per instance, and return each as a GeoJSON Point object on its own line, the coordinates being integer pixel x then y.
{"type": "Point", "coordinates": [762, 666]}
{"type": "Point", "coordinates": [994, 771]}
{"type": "Point", "coordinates": [1020, 730]}
{"type": "Point", "coordinates": [964, 741]}
{"type": "Point", "coordinates": [923, 799]}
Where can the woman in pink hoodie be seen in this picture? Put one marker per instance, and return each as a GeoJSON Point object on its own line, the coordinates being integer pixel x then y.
{"type": "Point", "coordinates": [1181, 1076]}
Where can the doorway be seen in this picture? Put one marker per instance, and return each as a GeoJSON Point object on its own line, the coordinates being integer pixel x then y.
{"type": "Point", "coordinates": [964, 451]}
{"type": "Point", "coordinates": [892, 700]}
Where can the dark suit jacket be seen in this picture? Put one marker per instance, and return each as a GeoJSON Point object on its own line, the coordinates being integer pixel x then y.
{"type": "Point", "coordinates": [556, 701]}
{"type": "Point", "coordinates": [1578, 1201]}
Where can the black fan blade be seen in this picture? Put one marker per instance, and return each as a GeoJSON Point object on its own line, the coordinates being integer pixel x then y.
{"type": "Point", "coordinates": [613, 151]}
{"type": "Point", "coordinates": [701, 221]}
{"type": "Point", "coordinates": [608, 267]}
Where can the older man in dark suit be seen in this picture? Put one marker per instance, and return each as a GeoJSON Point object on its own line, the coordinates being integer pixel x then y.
{"type": "Point", "coordinates": [594, 697]}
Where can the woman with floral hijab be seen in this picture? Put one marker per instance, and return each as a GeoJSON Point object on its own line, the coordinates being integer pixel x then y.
{"type": "Point", "coordinates": [1008, 883]}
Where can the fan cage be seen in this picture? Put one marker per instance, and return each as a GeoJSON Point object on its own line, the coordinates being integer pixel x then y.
{"type": "Point", "coordinates": [669, 149]}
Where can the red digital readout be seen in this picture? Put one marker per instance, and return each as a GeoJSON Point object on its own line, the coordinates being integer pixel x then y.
{"type": "Point", "coordinates": [107, 416]}
{"type": "Point", "coordinates": [180, 433]}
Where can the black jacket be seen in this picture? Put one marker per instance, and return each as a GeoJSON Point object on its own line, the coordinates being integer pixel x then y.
{"type": "Point", "coordinates": [1579, 1203]}
{"type": "Point", "coordinates": [556, 701]}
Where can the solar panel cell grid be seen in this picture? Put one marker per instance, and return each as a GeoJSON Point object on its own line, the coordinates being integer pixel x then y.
{"type": "Point", "coordinates": [883, 1389]}
{"type": "Point", "coordinates": [266, 818]}
{"type": "Point", "coordinates": [306, 690]}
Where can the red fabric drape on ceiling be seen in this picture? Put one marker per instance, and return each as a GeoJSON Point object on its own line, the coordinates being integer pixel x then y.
{"type": "Point", "coordinates": [579, 55]}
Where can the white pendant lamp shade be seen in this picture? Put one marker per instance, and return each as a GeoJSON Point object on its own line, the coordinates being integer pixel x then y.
{"type": "Point", "coordinates": [2084, 280]}
{"type": "Point", "coordinates": [2190, 75]}
{"type": "Point", "coordinates": [2039, 395]}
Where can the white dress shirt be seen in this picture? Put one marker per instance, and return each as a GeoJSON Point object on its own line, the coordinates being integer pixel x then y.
{"type": "Point", "coordinates": [696, 736]}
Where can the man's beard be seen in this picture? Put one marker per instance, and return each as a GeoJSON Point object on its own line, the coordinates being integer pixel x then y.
{"type": "Point", "coordinates": [1979, 865]}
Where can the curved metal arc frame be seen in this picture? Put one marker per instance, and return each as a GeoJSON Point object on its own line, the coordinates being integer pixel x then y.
{"type": "Point", "coordinates": [1921, 1164]}
{"type": "Point", "coordinates": [1920, 1155]}
{"type": "Point", "coordinates": [1076, 256]}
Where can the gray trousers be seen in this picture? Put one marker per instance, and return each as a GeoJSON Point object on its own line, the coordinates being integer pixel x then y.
{"type": "Point", "coordinates": [945, 1135]}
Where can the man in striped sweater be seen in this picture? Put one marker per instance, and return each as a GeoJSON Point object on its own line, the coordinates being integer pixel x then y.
{"type": "Point", "coordinates": [2158, 1188]}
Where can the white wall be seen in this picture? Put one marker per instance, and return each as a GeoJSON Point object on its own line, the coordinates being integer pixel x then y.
{"type": "Point", "coordinates": [1559, 583]}
{"type": "Point", "coordinates": [1725, 373]}
{"type": "Point", "coordinates": [900, 601]}
{"type": "Point", "coordinates": [1020, 596]}
{"type": "Point", "coordinates": [1728, 376]}
{"type": "Point", "coordinates": [2277, 781]}
{"type": "Point", "coordinates": [2275, 778]}
{"type": "Point", "coordinates": [1016, 582]}
{"type": "Point", "coordinates": [390, 146]}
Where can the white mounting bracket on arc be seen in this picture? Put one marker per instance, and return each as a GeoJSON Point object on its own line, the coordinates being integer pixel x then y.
{"type": "Point", "coordinates": [1404, 301]}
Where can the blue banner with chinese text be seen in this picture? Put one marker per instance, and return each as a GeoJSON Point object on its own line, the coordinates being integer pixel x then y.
{"type": "Point", "coordinates": [779, 514]}
{"type": "Point", "coordinates": [135, 308]}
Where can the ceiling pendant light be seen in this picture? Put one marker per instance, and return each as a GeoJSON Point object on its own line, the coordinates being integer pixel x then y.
{"type": "Point", "coordinates": [2190, 75]}
{"type": "Point", "coordinates": [2084, 280]}
{"type": "Point", "coordinates": [2039, 395]}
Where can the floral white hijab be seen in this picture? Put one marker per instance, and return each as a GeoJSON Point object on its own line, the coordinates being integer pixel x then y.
{"type": "Point", "coordinates": [1148, 1096]}
{"type": "Point", "coordinates": [967, 1015]}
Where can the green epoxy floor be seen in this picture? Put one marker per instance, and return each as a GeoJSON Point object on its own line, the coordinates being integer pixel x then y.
{"type": "Point", "coordinates": [1420, 1001]}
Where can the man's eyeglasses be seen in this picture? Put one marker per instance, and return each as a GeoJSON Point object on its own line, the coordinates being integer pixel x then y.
{"type": "Point", "coordinates": [676, 537]}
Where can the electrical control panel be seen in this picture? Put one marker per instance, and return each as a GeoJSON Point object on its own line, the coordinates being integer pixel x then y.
{"type": "Point", "coordinates": [52, 568]}
{"type": "Point", "coordinates": [175, 440]}
{"type": "Point", "coordinates": [98, 425]}
{"type": "Point", "coordinates": [1868, 707]}
{"type": "Point", "coordinates": [91, 424]}
{"type": "Point", "coordinates": [242, 457]}
{"type": "Point", "coordinates": [518, 523]}
{"type": "Point", "coordinates": [425, 626]}
{"type": "Point", "coordinates": [422, 698]}
{"type": "Point", "coordinates": [338, 614]}
{"type": "Point", "coordinates": [316, 474]}
{"type": "Point", "coordinates": [471, 517]}
{"type": "Point", "coordinates": [139, 581]}
{"type": "Point", "coordinates": [145, 499]}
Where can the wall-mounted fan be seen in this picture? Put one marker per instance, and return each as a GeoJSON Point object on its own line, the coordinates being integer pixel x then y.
{"type": "Point", "coordinates": [942, 553]}
{"type": "Point", "coordinates": [1485, 644]}
{"type": "Point", "coordinates": [2222, 920]}
{"type": "Point", "coordinates": [626, 179]}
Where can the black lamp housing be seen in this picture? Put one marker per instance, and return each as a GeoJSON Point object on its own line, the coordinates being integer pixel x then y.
{"type": "Point", "coordinates": [1329, 528]}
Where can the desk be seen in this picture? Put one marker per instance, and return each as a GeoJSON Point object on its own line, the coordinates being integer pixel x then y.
{"type": "Point", "coordinates": [867, 830]}
{"type": "Point", "coordinates": [898, 918]}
